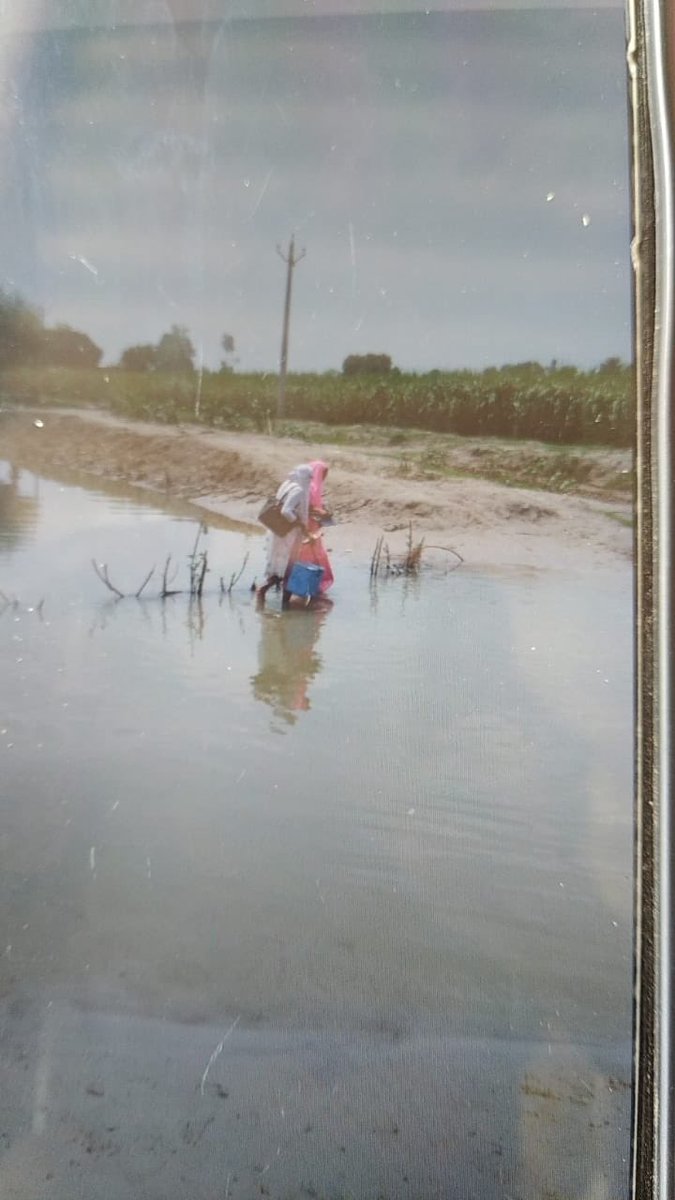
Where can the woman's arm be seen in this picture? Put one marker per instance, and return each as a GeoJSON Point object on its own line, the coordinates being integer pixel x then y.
{"type": "Point", "coordinates": [289, 510]}
{"type": "Point", "coordinates": [291, 504]}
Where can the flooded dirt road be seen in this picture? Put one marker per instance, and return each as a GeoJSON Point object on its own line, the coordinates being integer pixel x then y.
{"type": "Point", "coordinates": [308, 904]}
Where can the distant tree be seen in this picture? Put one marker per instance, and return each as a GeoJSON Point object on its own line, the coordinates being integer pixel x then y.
{"type": "Point", "coordinates": [175, 353]}
{"type": "Point", "coordinates": [367, 364]}
{"type": "Point", "coordinates": [66, 347]}
{"type": "Point", "coordinates": [228, 346]}
{"type": "Point", "coordinates": [523, 368]}
{"type": "Point", "coordinates": [611, 366]}
{"type": "Point", "coordinates": [139, 358]}
{"type": "Point", "coordinates": [21, 331]}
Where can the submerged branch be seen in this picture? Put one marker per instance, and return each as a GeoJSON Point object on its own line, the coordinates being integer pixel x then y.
{"type": "Point", "coordinates": [166, 591]}
{"type": "Point", "coordinates": [102, 573]}
{"type": "Point", "coordinates": [194, 559]}
{"type": "Point", "coordinates": [448, 550]}
{"type": "Point", "coordinates": [409, 563]}
{"type": "Point", "coordinates": [202, 574]}
{"type": "Point", "coordinates": [234, 577]}
{"type": "Point", "coordinates": [145, 581]}
{"type": "Point", "coordinates": [375, 560]}
{"type": "Point", "coordinates": [198, 564]}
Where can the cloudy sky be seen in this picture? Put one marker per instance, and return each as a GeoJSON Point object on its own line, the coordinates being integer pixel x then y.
{"type": "Point", "coordinates": [459, 179]}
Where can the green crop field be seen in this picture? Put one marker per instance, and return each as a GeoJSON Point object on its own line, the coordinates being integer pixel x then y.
{"type": "Point", "coordinates": [559, 406]}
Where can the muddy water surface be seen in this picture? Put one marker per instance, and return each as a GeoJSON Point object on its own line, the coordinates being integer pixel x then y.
{"type": "Point", "coordinates": [322, 903]}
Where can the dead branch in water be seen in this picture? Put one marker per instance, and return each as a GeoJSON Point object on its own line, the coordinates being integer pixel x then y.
{"type": "Point", "coordinates": [102, 573]}
{"type": "Point", "coordinates": [409, 563]}
{"type": "Point", "coordinates": [145, 582]}
{"type": "Point", "coordinates": [200, 585]}
{"type": "Point", "coordinates": [198, 563]}
{"type": "Point", "coordinates": [448, 550]}
{"type": "Point", "coordinates": [166, 590]}
{"type": "Point", "coordinates": [413, 558]}
{"type": "Point", "coordinates": [234, 578]}
{"type": "Point", "coordinates": [377, 554]}
{"type": "Point", "coordinates": [195, 560]}
{"type": "Point", "coordinates": [104, 576]}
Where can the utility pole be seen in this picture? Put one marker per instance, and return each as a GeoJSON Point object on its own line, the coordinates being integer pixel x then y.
{"type": "Point", "coordinates": [291, 260]}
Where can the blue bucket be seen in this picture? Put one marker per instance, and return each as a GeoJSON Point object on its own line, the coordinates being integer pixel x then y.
{"type": "Point", "coordinates": [304, 579]}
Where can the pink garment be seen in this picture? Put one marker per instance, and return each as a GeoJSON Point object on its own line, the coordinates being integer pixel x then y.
{"type": "Point", "coordinates": [319, 472]}
{"type": "Point", "coordinates": [315, 552]}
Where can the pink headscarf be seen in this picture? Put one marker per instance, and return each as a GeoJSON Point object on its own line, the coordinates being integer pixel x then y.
{"type": "Point", "coordinates": [319, 472]}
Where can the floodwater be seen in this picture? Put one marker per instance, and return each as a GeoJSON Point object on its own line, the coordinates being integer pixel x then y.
{"type": "Point", "coordinates": [317, 904]}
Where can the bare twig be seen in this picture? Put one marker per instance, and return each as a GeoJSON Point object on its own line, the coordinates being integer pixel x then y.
{"type": "Point", "coordinates": [198, 561]}
{"type": "Point", "coordinates": [201, 529]}
{"type": "Point", "coordinates": [203, 569]}
{"type": "Point", "coordinates": [375, 560]}
{"type": "Point", "coordinates": [166, 590]}
{"type": "Point", "coordinates": [145, 581]}
{"type": "Point", "coordinates": [236, 576]}
{"type": "Point", "coordinates": [165, 575]}
{"type": "Point", "coordinates": [102, 573]}
{"type": "Point", "coordinates": [408, 563]}
{"type": "Point", "coordinates": [194, 560]}
{"type": "Point", "coordinates": [413, 559]}
{"type": "Point", "coordinates": [448, 550]}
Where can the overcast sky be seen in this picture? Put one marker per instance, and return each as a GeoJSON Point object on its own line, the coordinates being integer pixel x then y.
{"type": "Point", "coordinates": [459, 179]}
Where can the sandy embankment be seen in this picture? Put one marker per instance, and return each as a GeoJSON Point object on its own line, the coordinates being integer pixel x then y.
{"type": "Point", "coordinates": [488, 524]}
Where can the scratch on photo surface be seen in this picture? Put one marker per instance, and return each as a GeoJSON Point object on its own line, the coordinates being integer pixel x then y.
{"type": "Point", "coordinates": [261, 193]}
{"type": "Point", "coordinates": [84, 262]}
{"type": "Point", "coordinates": [217, 1052]}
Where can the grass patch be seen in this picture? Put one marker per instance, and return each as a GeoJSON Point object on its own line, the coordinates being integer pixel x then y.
{"type": "Point", "coordinates": [620, 518]}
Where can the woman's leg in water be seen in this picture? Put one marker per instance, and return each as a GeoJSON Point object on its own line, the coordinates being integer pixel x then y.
{"type": "Point", "coordinates": [271, 581]}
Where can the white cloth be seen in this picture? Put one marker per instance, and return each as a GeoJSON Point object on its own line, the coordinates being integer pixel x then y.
{"type": "Point", "coordinates": [294, 497]}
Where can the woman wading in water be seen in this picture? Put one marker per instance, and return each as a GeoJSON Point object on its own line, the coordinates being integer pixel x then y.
{"type": "Point", "coordinates": [314, 551]}
{"type": "Point", "coordinates": [293, 500]}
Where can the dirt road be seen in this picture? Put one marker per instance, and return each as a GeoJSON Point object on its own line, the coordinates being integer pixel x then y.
{"type": "Point", "coordinates": [231, 473]}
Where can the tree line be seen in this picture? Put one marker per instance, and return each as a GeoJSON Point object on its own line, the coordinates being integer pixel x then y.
{"type": "Point", "coordinates": [25, 340]}
{"type": "Point", "coordinates": [173, 354]}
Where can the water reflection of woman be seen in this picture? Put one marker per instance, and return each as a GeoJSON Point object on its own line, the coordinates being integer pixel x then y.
{"type": "Point", "coordinates": [288, 661]}
{"type": "Point", "coordinates": [18, 513]}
